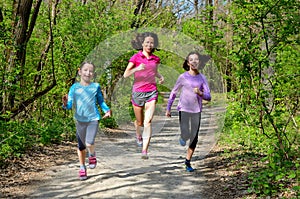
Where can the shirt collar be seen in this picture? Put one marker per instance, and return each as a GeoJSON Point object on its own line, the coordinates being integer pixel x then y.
{"type": "Point", "coordinates": [143, 56]}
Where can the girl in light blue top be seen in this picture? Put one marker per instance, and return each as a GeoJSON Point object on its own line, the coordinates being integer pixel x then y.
{"type": "Point", "coordinates": [194, 88]}
{"type": "Point", "coordinates": [84, 97]}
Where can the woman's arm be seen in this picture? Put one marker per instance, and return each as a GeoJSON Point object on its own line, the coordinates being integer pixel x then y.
{"type": "Point", "coordinates": [130, 69]}
{"type": "Point", "coordinates": [160, 77]}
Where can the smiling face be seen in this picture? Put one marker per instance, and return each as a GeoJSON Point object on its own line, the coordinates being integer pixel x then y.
{"type": "Point", "coordinates": [148, 44]}
{"type": "Point", "coordinates": [193, 61]}
{"type": "Point", "coordinates": [86, 73]}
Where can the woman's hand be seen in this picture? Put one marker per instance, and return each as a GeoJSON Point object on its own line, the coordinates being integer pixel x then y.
{"type": "Point", "coordinates": [161, 79]}
{"type": "Point", "coordinates": [140, 67]}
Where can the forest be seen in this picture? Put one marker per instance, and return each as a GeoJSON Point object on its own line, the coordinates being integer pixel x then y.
{"type": "Point", "coordinates": [254, 46]}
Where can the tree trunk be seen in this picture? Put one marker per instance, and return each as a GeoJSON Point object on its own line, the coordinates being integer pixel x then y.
{"type": "Point", "coordinates": [24, 17]}
{"type": "Point", "coordinates": [16, 54]}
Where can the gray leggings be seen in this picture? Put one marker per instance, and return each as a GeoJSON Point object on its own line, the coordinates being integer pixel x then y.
{"type": "Point", "coordinates": [189, 127]}
{"type": "Point", "coordinates": [86, 133]}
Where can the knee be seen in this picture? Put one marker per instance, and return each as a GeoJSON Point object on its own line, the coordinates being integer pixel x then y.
{"type": "Point", "coordinates": [193, 144]}
{"type": "Point", "coordinates": [139, 123]}
{"type": "Point", "coordinates": [147, 123]}
{"type": "Point", "coordinates": [89, 144]}
{"type": "Point", "coordinates": [81, 147]}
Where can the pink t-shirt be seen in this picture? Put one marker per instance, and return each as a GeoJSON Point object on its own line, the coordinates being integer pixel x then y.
{"type": "Point", "coordinates": [144, 80]}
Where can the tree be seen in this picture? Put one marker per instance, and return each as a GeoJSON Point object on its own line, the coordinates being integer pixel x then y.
{"type": "Point", "coordinates": [23, 18]}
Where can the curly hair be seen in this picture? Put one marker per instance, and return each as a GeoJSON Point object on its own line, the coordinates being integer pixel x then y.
{"type": "Point", "coordinates": [202, 58]}
{"type": "Point", "coordinates": [140, 38]}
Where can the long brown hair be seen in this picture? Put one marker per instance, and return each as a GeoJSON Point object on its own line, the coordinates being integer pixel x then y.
{"type": "Point", "coordinates": [140, 38]}
{"type": "Point", "coordinates": [202, 58]}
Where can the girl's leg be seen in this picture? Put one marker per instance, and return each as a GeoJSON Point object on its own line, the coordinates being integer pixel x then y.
{"type": "Point", "coordinates": [147, 133]}
{"type": "Point", "coordinates": [195, 125]}
{"type": "Point", "coordinates": [81, 135]}
{"type": "Point", "coordinates": [184, 121]}
{"type": "Point", "coordinates": [92, 130]}
{"type": "Point", "coordinates": [81, 156]}
{"type": "Point", "coordinates": [190, 153]}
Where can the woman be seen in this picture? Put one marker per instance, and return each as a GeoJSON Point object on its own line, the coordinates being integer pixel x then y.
{"type": "Point", "coordinates": [144, 66]}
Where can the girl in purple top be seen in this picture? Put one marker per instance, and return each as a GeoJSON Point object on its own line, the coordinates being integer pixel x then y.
{"type": "Point", "coordinates": [143, 65]}
{"type": "Point", "coordinates": [194, 88]}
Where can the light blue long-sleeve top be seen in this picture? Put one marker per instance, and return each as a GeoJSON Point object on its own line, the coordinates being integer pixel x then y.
{"type": "Point", "coordinates": [188, 100]}
{"type": "Point", "coordinates": [84, 99]}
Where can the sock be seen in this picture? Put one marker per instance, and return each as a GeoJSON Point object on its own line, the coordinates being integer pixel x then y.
{"type": "Point", "coordinates": [82, 167]}
{"type": "Point", "coordinates": [187, 162]}
{"type": "Point", "coordinates": [91, 154]}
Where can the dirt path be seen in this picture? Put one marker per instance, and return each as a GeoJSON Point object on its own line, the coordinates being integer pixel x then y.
{"type": "Point", "coordinates": [121, 173]}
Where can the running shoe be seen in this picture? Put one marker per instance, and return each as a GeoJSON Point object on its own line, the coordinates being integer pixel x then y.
{"type": "Point", "coordinates": [139, 141]}
{"type": "Point", "coordinates": [182, 142]}
{"type": "Point", "coordinates": [92, 162]}
{"type": "Point", "coordinates": [144, 155]}
{"type": "Point", "coordinates": [189, 168]}
{"type": "Point", "coordinates": [82, 174]}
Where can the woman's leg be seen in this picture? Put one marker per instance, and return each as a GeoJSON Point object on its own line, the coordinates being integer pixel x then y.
{"type": "Point", "coordinates": [147, 133]}
{"type": "Point", "coordinates": [139, 116]}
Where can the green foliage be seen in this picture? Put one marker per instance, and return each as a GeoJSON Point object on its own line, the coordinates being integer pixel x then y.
{"type": "Point", "coordinates": [275, 178]}
{"type": "Point", "coordinates": [19, 137]}
{"type": "Point", "coordinates": [262, 64]}
{"type": "Point", "coordinates": [108, 123]}
{"type": "Point", "coordinates": [255, 46]}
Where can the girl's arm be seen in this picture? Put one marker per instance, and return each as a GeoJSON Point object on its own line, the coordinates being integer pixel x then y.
{"type": "Point", "coordinates": [68, 99]}
{"type": "Point", "coordinates": [101, 103]}
{"type": "Point", "coordinates": [176, 88]}
{"type": "Point", "coordinates": [206, 91]}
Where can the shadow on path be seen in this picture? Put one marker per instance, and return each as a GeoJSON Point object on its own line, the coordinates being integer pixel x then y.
{"type": "Point", "coordinates": [121, 173]}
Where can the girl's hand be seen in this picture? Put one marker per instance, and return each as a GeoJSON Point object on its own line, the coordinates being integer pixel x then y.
{"type": "Point", "coordinates": [65, 99]}
{"type": "Point", "coordinates": [168, 113]}
{"type": "Point", "coordinates": [107, 114]}
{"type": "Point", "coordinates": [197, 91]}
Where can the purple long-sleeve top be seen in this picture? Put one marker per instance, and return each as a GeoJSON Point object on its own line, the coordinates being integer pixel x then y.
{"type": "Point", "coordinates": [188, 100]}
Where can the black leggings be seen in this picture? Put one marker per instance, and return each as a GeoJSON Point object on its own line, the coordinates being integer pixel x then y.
{"type": "Point", "coordinates": [189, 127]}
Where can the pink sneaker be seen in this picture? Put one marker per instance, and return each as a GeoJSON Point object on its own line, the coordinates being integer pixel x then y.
{"type": "Point", "coordinates": [144, 155]}
{"type": "Point", "coordinates": [92, 162]}
{"type": "Point", "coordinates": [82, 174]}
